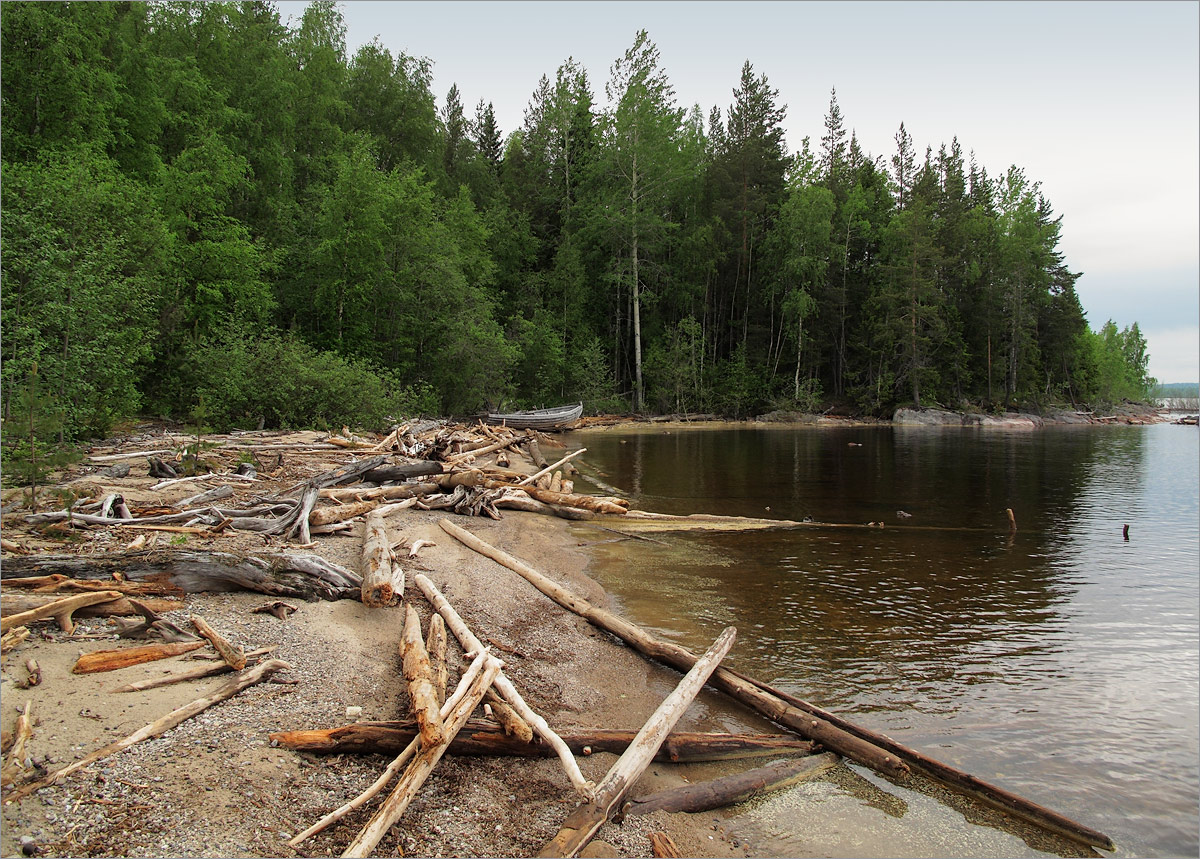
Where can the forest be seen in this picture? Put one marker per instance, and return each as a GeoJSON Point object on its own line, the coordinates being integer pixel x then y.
{"type": "Point", "coordinates": [213, 217]}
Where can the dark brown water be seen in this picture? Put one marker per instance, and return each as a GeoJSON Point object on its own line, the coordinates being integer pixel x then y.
{"type": "Point", "coordinates": [1061, 662]}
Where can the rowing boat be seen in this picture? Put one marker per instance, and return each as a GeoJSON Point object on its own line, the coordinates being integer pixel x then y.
{"type": "Point", "coordinates": [540, 419]}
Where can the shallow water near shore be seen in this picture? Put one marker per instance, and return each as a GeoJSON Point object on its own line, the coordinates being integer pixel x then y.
{"type": "Point", "coordinates": [1059, 662]}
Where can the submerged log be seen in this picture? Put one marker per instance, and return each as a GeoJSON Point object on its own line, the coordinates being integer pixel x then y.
{"type": "Point", "coordinates": [283, 575]}
{"type": "Point", "coordinates": [480, 737]}
{"type": "Point", "coordinates": [732, 789]}
{"type": "Point", "coordinates": [582, 823]}
{"type": "Point", "coordinates": [854, 741]}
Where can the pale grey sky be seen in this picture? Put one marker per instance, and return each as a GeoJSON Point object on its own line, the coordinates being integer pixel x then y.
{"type": "Point", "coordinates": [1098, 101]}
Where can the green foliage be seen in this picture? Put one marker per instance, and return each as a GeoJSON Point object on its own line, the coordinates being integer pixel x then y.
{"type": "Point", "coordinates": [184, 182]}
{"type": "Point", "coordinates": [33, 448]}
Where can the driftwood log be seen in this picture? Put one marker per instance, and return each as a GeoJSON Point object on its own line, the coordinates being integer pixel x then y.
{"type": "Point", "coordinates": [382, 581]}
{"type": "Point", "coordinates": [680, 658]}
{"type": "Point", "coordinates": [284, 575]}
{"type": "Point", "coordinates": [419, 674]}
{"type": "Point", "coordinates": [60, 609]}
{"type": "Point", "coordinates": [233, 655]}
{"type": "Point", "coordinates": [111, 660]}
{"type": "Point", "coordinates": [406, 752]}
{"type": "Point", "coordinates": [481, 737]}
{"type": "Point", "coordinates": [879, 752]}
{"type": "Point", "coordinates": [732, 789]}
{"type": "Point", "coordinates": [11, 603]}
{"type": "Point", "coordinates": [582, 823]}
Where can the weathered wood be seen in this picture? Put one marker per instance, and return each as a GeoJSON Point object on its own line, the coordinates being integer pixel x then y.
{"type": "Point", "coordinates": [159, 726]}
{"type": "Point", "coordinates": [197, 673]}
{"type": "Point", "coordinates": [386, 473]}
{"type": "Point", "coordinates": [662, 847]}
{"type": "Point", "coordinates": [422, 765]}
{"type": "Point", "coordinates": [435, 645]}
{"type": "Point", "coordinates": [121, 607]}
{"type": "Point", "coordinates": [406, 752]}
{"type": "Point", "coordinates": [504, 686]}
{"type": "Point", "coordinates": [111, 660]}
{"type": "Point", "coordinates": [732, 789]}
{"type": "Point", "coordinates": [34, 671]}
{"type": "Point", "coordinates": [341, 512]}
{"type": "Point", "coordinates": [15, 760]}
{"type": "Point", "coordinates": [371, 493]}
{"type": "Point", "coordinates": [516, 499]}
{"type": "Point", "coordinates": [281, 575]}
{"type": "Point", "coordinates": [382, 582]}
{"type": "Point", "coordinates": [214, 494]}
{"type": "Point", "coordinates": [419, 675]}
{"type": "Point", "coordinates": [13, 638]}
{"type": "Point", "coordinates": [853, 741]}
{"type": "Point", "coordinates": [481, 737]}
{"type": "Point", "coordinates": [508, 718]}
{"type": "Point", "coordinates": [549, 468]}
{"type": "Point", "coordinates": [233, 655]}
{"type": "Point", "coordinates": [58, 583]}
{"type": "Point", "coordinates": [582, 823]}
{"type": "Point", "coordinates": [61, 610]}
{"type": "Point", "coordinates": [680, 658]}
{"type": "Point", "coordinates": [596, 503]}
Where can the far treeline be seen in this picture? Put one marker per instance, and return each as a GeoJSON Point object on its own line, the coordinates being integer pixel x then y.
{"type": "Point", "coordinates": [212, 217]}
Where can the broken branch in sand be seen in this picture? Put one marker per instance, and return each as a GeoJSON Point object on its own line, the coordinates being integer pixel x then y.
{"type": "Point", "coordinates": [61, 610]}
{"type": "Point", "coordinates": [159, 726]}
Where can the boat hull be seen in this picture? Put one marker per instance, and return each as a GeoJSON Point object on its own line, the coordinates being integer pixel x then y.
{"type": "Point", "coordinates": [539, 419]}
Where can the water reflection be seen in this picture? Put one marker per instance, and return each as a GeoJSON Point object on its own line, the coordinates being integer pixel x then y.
{"type": "Point", "coordinates": [1061, 661]}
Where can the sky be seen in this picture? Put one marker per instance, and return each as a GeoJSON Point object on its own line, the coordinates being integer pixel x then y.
{"type": "Point", "coordinates": [1097, 101]}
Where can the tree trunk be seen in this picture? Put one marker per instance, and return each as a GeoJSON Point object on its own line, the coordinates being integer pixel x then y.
{"type": "Point", "coordinates": [582, 823]}
{"type": "Point", "coordinates": [281, 575]}
{"type": "Point", "coordinates": [480, 737]}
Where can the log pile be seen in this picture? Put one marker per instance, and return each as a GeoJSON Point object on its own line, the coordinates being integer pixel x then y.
{"type": "Point", "coordinates": [286, 499]}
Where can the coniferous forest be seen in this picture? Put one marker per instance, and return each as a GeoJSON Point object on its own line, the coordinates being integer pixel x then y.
{"type": "Point", "coordinates": [210, 216]}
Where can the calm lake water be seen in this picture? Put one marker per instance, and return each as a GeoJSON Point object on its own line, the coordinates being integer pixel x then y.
{"type": "Point", "coordinates": [1060, 663]}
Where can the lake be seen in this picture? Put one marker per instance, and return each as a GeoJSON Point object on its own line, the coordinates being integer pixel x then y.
{"type": "Point", "coordinates": [1059, 662]}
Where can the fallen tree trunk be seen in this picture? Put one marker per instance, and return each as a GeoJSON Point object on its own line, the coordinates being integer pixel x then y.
{"type": "Point", "coordinates": [481, 738]}
{"type": "Point", "coordinates": [382, 583]}
{"type": "Point", "coordinates": [595, 503]}
{"type": "Point", "coordinates": [60, 609]}
{"type": "Point", "coordinates": [582, 823]}
{"type": "Point", "coordinates": [58, 583]}
{"type": "Point", "coordinates": [282, 575]}
{"type": "Point", "coordinates": [159, 726]}
{"type": "Point", "coordinates": [680, 658]}
{"type": "Point", "coordinates": [733, 789]}
{"type": "Point", "coordinates": [516, 499]}
{"type": "Point", "coordinates": [111, 660]}
{"type": "Point", "coordinates": [341, 512]}
{"type": "Point", "coordinates": [386, 473]}
{"type": "Point", "coordinates": [839, 735]}
{"type": "Point", "coordinates": [418, 673]}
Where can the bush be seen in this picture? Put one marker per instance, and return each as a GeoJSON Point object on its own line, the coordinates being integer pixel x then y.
{"type": "Point", "coordinates": [282, 382]}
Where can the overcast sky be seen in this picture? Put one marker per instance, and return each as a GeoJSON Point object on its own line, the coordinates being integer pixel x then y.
{"type": "Point", "coordinates": [1098, 101]}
